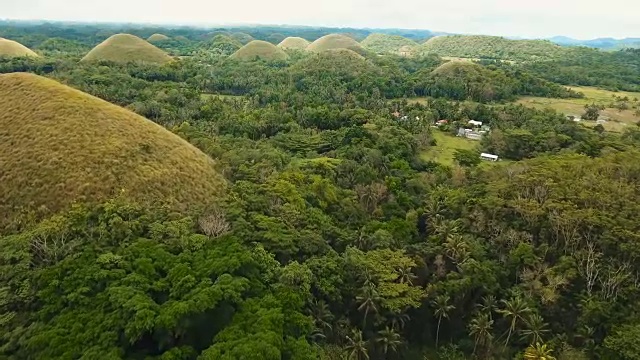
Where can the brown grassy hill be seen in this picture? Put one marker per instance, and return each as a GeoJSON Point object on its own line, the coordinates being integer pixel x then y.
{"type": "Point", "coordinates": [294, 43]}
{"type": "Point", "coordinates": [60, 146]}
{"type": "Point", "coordinates": [158, 37]}
{"type": "Point", "coordinates": [260, 49]}
{"type": "Point", "coordinates": [10, 48]}
{"type": "Point", "coordinates": [335, 41]}
{"type": "Point", "coordinates": [125, 48]}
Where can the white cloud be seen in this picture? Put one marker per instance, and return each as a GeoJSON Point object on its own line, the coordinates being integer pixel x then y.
{"type": "Point", "coordinates": [578, 18]}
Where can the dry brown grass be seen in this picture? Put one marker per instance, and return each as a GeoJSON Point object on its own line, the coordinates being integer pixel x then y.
{"type": "Point", "coordinates": [335, 41]}
{"type": "Point", "coordinates": [260, 49]}
{"type": "Point", "coordinates": [10, 48]}
{"type": "Point", "coordinates": [60, 146]}
{"type": "Point", "coordinates": [158, 37]}
{"type": "Point", "coordinates": [294, 43]}
{"type": "Point", "coordinates": [125, 48]}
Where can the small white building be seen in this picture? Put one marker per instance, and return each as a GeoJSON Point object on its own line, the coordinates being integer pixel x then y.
{"type": "Point", "coordinates": [475, 123]}
{"type": "Point", "coordinates": [489, 157]}
{"type": "Point", "coordinates": [473, 135]}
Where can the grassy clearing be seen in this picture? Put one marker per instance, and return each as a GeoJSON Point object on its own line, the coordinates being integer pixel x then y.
{"type": "Point", "coordinates": [461, 59]}
{"type": "Point", "coordinates": [60, 146]}
{"type": "Point", "coordinates": [446, 147]}
{"type": "Point", "coordinates": [125, 48]}
{"type": "Point", "coordinates": [619, 119]}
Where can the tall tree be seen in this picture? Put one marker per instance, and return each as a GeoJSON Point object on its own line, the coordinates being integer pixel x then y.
{"type": "Point", "coordinates": [480, 329]}
{"type": "Point", "coordinates": [513, 310]}
{"type": "Point", "coordinates": [441, 308]}
{"type": "Point", "coordinates": [357, 347]}
{"type": "Point", "coordinates": [389, 339]}
{"type": "Point", "coordinates": [535, 329]}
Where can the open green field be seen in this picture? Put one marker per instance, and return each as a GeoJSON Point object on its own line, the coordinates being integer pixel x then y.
{"type": "Point", "coordinates": [446, 147]}
{"type": "Point", "coordinates": [619, 119]}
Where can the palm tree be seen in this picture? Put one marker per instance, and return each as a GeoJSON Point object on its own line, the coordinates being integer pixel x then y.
{"type": "Point", "coordinates": [536, 327]}
{"type": "Point", "coordinates": [322, 316]}
{"type": "Point", "coordinates": [398, 321]}
{"type": "Point", "coordinates": [445, 228]}
{"type": "Point", "coordinates": [368, 300]}
{"type": "Point", "coordinates": [480, 329]}
{"type": "Point", "coordinates": [442, 309]}
{"type": "Point", "coordinates": [538, 352]}
{"type": "Point", "coordinates": [357, 346]}
{"type": "Point", "coordinates": [515, 309]}
{"type": "Point", "coordinates": [405, 276]}
{"type": "Point", "coordinates": [389, 340]}
{"type": "Point", "coordinates": [488, 305]}
{"type": "Point", "coordinates": [456, 248]}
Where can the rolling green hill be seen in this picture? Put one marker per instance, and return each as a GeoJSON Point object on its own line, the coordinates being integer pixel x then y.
{"type": "Point", "coordinates": [60, 146]}
{"type": "Point", "coordinates": [344, 53]}
{"type": "Point", "coordinates": [294, 43]}
{"type": "Point", "coordinates": [222, 44]}
{"type": "Point", "coordinates": [335, 41]}
{"type": "Point", "coordinates": [10, 48]}
{"type": "Point", "coordinates": [260, 49]}
{"type": "Point", "coordinates": [491, 47]}
{"type": "Point", "coordinates": [463, 80]}
{"type": "Point", "coordinates": [389, 44]}
{"type": "Point", "coordinates": [158, 37]}
{"type": "Point", "coordinates": [125, 48]}
{"type": "Point", "coordinates": [244, 38]}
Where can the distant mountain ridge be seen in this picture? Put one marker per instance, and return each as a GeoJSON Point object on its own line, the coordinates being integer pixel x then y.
{"type": "Point", "coordinates": [599, 43]}
{"type": "Point", "coordinates": [312, 33]}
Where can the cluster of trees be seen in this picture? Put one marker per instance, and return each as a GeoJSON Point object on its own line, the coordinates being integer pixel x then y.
{"type": "Point", "coordinates": [492, 47]}
{"type": "Point", "coordinates": [616, 70]}
{"type": "Point", "coordinates": [467, 81]}
{"type": "Point", "coordinates": [336, 238]}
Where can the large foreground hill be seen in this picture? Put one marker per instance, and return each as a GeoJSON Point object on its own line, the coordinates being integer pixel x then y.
{"type": "Point", "coordinates": [59, 146]}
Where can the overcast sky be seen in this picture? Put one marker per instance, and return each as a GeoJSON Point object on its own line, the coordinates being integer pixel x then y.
{"type": "Point", "coordinates": [582, 19]}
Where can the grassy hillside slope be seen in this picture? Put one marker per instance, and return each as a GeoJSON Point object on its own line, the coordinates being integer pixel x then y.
{"type": "Point", "coordinates": [491, 47]}
{"type": "Point", "coordinates": [294, 43]}
{"type": "Point", "coordinates": [335, 41]}
{"type": "Point", "coordinates": [260, 49]}
{"type": "Point", "coordinates": [392, 44]}
{"type": "Point", "coordinates": [59, 146]}
{"type": "Point", "coordinates": [125, 48]}
{"type": "Point", "coordinates": [10, 48]}
{"type": "Point", "coordinates": [158, 37]}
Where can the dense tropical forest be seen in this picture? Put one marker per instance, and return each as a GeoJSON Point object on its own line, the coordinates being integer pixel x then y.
{"type": "Point", "coordinates": [319, 229]}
